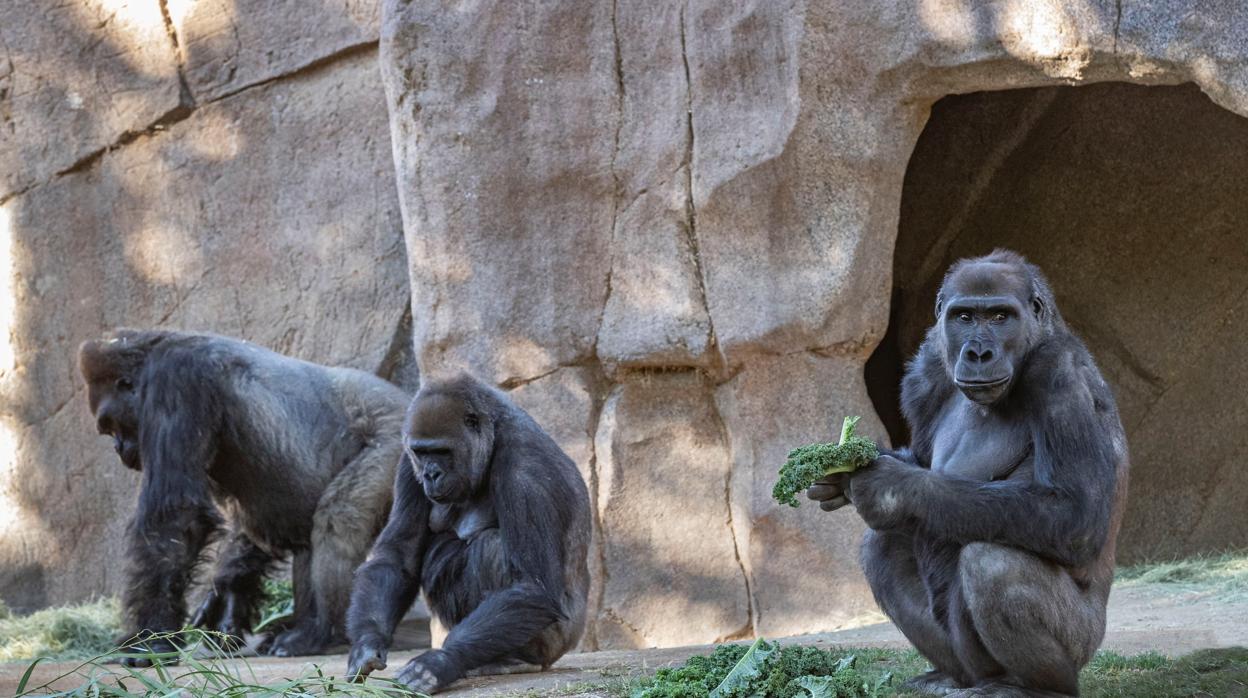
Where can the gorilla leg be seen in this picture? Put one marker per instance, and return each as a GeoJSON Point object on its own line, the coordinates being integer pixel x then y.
{"type": "Point", "coordinates": [1029, 616]}
{"type": "Point", "coordinates": [889, 563]}
{"type": "Point", "coordinates": [348, 516]}
{"type": "Point", "coordinates": [304, 622]}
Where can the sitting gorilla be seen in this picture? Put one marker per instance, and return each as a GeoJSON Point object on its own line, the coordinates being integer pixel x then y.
{"type": "Point", "coordinates": [992, 538]}
{"type": "Point", "coordinates": [299, 456]}
{"type": "Point", "coordinates": [492, 521]}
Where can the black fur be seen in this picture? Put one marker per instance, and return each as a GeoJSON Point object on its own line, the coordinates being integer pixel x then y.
{"type": "Point", "coordinates": [299, 457]}
{"type": "Point", "coordinates": [995, 555]}
{"type": "Point", "coordinates": [491, 521]}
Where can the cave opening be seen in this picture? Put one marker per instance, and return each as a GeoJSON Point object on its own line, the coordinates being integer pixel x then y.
{"type": "Point", "coordinates": [1134, 201]}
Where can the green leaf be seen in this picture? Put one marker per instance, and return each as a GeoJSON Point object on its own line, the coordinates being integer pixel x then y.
{"type": "Point", "coordinates": [748, 668]}
{"type": "Point", "coordinates": [818, 686]}
{"type": "Point", "coordinates": [21, 685]}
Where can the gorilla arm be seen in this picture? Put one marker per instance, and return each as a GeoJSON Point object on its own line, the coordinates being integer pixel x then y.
{"type": "Point", "coordinates": [387, 583]}
{"type": "Point", "coordinates": [1062, 514]}
{"type": "Point", "coordinates": [175, 516]}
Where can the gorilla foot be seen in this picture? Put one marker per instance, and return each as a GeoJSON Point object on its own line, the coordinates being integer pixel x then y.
{"type": "Point", "coordinates": [429, 673]}
{"type": "Point", "coordinates": [299, 641]}
{"type": "Point", "coordinates": [144, 653]}
{"type": "Point", "coordinates": [934, 683]}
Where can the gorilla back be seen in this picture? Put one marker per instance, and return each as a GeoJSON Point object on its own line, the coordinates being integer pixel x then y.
{"type": "Point", "coordinates": [300, 458]}
{"type": "Point", "coordinates": [491, 521]}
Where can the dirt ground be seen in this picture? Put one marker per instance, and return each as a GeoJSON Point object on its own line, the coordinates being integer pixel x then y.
{"type": "Point", "coordinates": [1141, 618]}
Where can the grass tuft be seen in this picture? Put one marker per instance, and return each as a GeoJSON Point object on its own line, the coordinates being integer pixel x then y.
{"type": "Point", "coordinates": [204, 668]}
{"type": "Point", "coordinates": [1224, 575]}
{"type": "Point", "coordinates": [67, 632]}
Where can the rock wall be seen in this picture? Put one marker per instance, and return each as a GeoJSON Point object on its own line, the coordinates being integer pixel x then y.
{"type": "Point", "coordinates": [223, 166]}
{"type": "Point", "coordinates": [669, 225]}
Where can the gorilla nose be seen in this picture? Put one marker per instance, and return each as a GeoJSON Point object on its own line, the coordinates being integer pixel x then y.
{"type": "Point", "coordinates": [105, 424]}
{"type": "Point", "coordinates": [433, 472]}
{"type": "Point", "coordinates": [975, 352]}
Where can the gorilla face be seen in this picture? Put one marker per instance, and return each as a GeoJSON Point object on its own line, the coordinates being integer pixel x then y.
{"type": "Point", "coordinates": [111, 369]}
{"type": "Point", "coordinates": [115, 406]}
{"type": "Point", "coordinates": [449, 443]}
{"type": "Point", "coordinates": [989, 322]}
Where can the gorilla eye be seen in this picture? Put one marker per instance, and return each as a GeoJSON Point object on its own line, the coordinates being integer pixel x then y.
{"type": "Point", "coordinates": [124, 385]}
{"type": "Point", "coordinates": [471, 421]}
{"type": "Point", "coordinates": [998, 317]}
{"type": "Point", "coordinates": [964, 317]}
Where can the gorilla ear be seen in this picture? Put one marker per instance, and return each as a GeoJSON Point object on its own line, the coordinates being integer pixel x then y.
{"type": "Point", "coordinates": [1037, 306]}
{"type": "Point", "coordinates": [940, 303]}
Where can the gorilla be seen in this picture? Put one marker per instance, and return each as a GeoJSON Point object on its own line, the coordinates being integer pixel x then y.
{"type": "Point", "coordinates": [991, 541]}
{"type": "Point", "coordinates": [491, 520]}
{"type": "Point", "coordinates": [299, 457]}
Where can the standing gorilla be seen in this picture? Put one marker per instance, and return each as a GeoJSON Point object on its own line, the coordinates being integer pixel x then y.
{"type": "Point", "coordinates": [992, 538]}
{"type": "Point", "coordinates": [299, 456]}
{"type": "Point", "coordinates": [491, 520]}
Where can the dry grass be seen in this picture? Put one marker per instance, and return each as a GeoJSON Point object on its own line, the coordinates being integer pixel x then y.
{"type": "Point", "coordinates": [67, 632]}
{"type": "Point", "coordinates": [1222, 576]}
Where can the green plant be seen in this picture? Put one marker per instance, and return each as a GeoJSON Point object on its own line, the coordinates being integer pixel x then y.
{"type": "Point", "coordinates": [769, 670]}
{"type": "Point", "coordinates": [278, 604]}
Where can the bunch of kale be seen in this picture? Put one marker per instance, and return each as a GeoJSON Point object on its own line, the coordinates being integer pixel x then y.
{"type": "Point", "coordinates": [809, 463]}
{"type": "Point", "coordinates": [764, 670]}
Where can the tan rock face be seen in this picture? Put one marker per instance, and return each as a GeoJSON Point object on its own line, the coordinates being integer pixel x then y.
{"type": "Point", "coordinates": [76, 76]}
{"type": "Point", "coordinates": [711, 187]}
{"type": "Point", "coordinates": [672, 571]}
{"type": "Point", "coordinates": [230, 44]}
{"type": "Point", "coordinates": [511, 254]}
{"type": "Point", "coordinates": [271, 216]}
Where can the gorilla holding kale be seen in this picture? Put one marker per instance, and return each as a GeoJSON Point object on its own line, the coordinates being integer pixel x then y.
{"type": "Point", "coordinates": [991, 541]}
{"type": "Point", "coordinates": [300, 457]}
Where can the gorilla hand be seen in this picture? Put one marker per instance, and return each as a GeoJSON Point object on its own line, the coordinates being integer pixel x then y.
{"type": "Point", "coordinates": [225, 613]}
{"type": "Point", "coordinates": [367, 655]}
{"type": "Point", "coordinates": [832, 492]}
{"type": "Point", "coordinates": [877, 491]}
{"type": "Point", "coordinates": [209, 612]}
{"type": "Point", "coordinates": [430, 672]}
{"type": "Point", "coordinates": [139, 650]}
